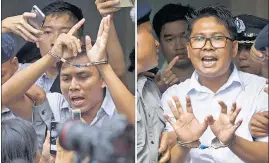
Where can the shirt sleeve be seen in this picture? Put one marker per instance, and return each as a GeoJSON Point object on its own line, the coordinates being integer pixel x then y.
{"type": "Point", "coordinates": [262, 105]}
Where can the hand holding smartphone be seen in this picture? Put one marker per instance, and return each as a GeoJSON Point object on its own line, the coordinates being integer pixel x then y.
{"type": "Point", "coordinates": [53, 137]}
{"type": "Point", "coordinates": [38, 21]}
{"type": "Point", "coordinates": [126, 3]}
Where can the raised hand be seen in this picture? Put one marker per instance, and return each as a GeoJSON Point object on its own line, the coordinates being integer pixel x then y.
{"type": "Point", "coordinates": [224, 127]}
{"type": "Point", "coordinates": [68, 42]}
{"type": "Point", "coordinates": [187, 127]}
{"type": "Point", "coordinates": [19, 25]}
{"type": "Point", "coordinates": [167, 78]}
{"type": "Point", "coordinates": [106, 7]}
{"type": "Point", "coordinates": [97, 52]}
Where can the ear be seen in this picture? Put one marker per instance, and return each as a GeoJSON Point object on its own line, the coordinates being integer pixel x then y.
{"type": "Point", "coordinates": [235, 48]}
{"type": "Point", "coordinates": [15, 64]}
{"type": "Point", "coordinates": [188, 49]}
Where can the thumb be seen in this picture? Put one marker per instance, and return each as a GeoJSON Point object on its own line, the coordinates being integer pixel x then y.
{"type": "Point", "coordinates": [163, 143]}
{"type": "Point", "coordinates": [210, 120]}
{"type": "Point", "coordinates": [88, 42]}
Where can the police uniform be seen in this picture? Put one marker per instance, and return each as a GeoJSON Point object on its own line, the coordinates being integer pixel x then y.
{"type": "Point", "coordinates": [248, 27]}
{"type": "Point", "coordinates": [150, 121]}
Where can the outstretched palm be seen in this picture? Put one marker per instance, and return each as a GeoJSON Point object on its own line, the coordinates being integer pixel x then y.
{"type": "Point", "coordinates": [97, 52]}
{"type": "Point", "coordinates": [187, 127]}
{"type": "Point", "coordinates": [224, 127]}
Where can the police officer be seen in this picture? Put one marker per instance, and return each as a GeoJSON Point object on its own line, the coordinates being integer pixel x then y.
{"type": "Point", "coordinates": [248, 27]}
{"type": "Point", "coordinates": [151, 139]}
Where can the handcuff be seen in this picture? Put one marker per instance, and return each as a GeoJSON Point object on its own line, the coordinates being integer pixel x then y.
{"type": "Point", "coordinates": [77, 65]}
{"type": "Point", "coordinates": [215, 143]}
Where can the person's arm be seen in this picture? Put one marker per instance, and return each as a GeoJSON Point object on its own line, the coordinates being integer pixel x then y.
{"type": "Point", "coordinates": [250, 152]}
{"type": "Point", "coordinates": [122, 98]}
{"type": "Point", "coordinates": [18, 85]}
{"type": "Point", "coordinates": [258, 124]}
{"type": "Point", "coordinates": [113, 49]}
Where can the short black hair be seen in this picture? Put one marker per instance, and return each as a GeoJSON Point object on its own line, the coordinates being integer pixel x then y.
{"type": "Point", "coordinates": [60, 7]}
{"type": "Point", "coordinates": [170, 13]}
{"type": "Point", "coordinates": [220, 12]}
{"type": "Point", "coordinates": [19, 140]}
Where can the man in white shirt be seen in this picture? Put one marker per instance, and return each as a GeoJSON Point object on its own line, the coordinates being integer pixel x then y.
{"type": "Point", "coordinates": [220, 99]}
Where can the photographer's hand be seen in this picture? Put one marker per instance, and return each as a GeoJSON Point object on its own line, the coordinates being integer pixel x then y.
{"type": "Point", "coordinates": [63, 156]}
{"type": "Point", "coordinates": [107, 7]}
{"type": "Point", "coordinates": [19, 25]}
{"type": "Point", "coordinates": [46, 156]}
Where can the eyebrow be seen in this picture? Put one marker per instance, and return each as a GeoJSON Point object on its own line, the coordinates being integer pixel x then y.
{"type": "Point", "coordinates": [214, 33]}
{"type": "Point", "coordinates": [84, 72]}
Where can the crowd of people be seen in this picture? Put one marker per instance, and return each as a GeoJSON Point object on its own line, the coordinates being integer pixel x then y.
{"type": "Point", "coordinates": [208, 102]}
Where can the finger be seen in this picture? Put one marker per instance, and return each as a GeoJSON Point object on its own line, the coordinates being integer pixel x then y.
{"type": "Point", "coordinates": [27, 34]}
{"type": "Point", "coordinates": [171, 78]}
{"type": "Point", "coordinates": [166, 75]}
{"type": "Point", "coordinates": [255, 123]}
{"type": "Point", "coordinates": [78, 44]}
{"type": "Point", "coordinates": [210, 120]}
{"type": "Point", "coordinates": [169, 120]}
{"type": "Point", "coordinates": [234, 115]}
{"type": "Point", "coordinates": [76, 27]}
{"type": "Point", "coordinates": [47, 140]}
{"type": "Point", "coordinates": [74, 47]}
{"type": "Point", "coordinates": [149, 74]}
{"type": "Point", "coordinates": [259, 134]}
{"type": "Point", "coordinates": [173, 109]}
{"type": "Point", "coordinates": [31, 29]}
{"type": "Point", "coordinates": [233, 108]}
{"type": "Point", "coordinates": [188, 104]}
{"type": "Point", "coordinates": [24, 36]}
{"type": "Point", "coordinates": [165, 157]}
{"type": "Point", "coordinates": [223, 107]}
{"type": "Point", "coordinates": [107, 4]}
{"type": "Point", "coordinates": [28, 15]}
{"type": "Point", "coordinates": [178, 105]}
{"type": "Point", "coordinates": [175, 81]}
{"type": "Point", "coordinates": [109, 10]}
{"type": "Point", "coordinates": [235, 127]}
{"type": "Point", "coordinates": [171, 64]}
{"type": "Point", "coordinates": [265, 114]}
{"type": "Point", "coordinates": [260, 118]}
{"type": "Point", "coordinates": [105, 32]}
{"type": "Point", "coordinates": [259, 130]}
{"type": "Point", "coordinates": [163, 143]}
{"type": "Point", "coordinates": [88, 43]}
{"type": "Point", "coordinates": [101, 28]}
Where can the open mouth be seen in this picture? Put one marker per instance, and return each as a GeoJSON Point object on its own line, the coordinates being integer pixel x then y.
{"type": "Point", "coordinates": [209, 61]}
{"type": "Point", "coordinates": [77, 101]}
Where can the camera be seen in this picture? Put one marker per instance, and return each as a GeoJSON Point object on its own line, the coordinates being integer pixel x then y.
{"type": "Point", "coordinates": [113, 142]}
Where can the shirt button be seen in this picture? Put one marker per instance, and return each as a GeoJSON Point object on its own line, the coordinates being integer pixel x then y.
{"type": "Point", "coordinates": [43, 112]}
{"type": "Point", "coordinates": [149, 115]}
{"type": "Point", "coordinates": [152, 142]}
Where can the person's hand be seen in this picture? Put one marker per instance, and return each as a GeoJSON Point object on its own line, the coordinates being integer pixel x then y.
{"type": "Point", "coordinates": [97, 52]}
{"type": "Point", "coordinates": [63, 156]}
{"type": "Point", "coordinates": [68, 42]}
{"type": "Point", "coordinates": [187, 127]}
{"type": "Point", "coordinates": [164, 150]}
{"type": "Point", "coordinates": [224, 127]}
{"type": "Point", "coordinates": [46, 156]}
{"type": "Point", "coordinates": [106, 7]}
{"type": "Point", "coordinates": [258, 125]}
{"type": "Point", "coordinates": [19, 25]}
{"type": "Point", "coordinates": [167, 78]}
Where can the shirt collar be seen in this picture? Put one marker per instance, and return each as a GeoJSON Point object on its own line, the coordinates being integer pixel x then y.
{"type": "Point", "coordinates": [141, 81]}
{"type": "Point", "coordinates": [234, 78]}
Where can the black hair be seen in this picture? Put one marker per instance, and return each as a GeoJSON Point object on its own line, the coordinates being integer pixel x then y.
{"type": "Point", "coordinates": [220, 12]}
{"type": "Point", "coordinates": [170, 13]}
{"type": "Point", "coordinates": [19, 140]}
{"type": "Point", "coordinates": [132, 61]}
{"type": "Point", "coordinates": [60, 7]}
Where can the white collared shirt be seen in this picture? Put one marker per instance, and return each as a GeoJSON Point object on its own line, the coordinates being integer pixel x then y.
{"type": "Point", "coordinates": [246, 89]}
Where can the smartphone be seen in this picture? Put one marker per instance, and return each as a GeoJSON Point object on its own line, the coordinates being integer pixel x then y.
{"type": "Point", "coordinates": [126, 3]}
{"type": "Point", "coordinates": [53, 137]}
{"type": "Point", "coordinates": [76, 114]}
{"type": "Point", "coordinates": [38, 21]}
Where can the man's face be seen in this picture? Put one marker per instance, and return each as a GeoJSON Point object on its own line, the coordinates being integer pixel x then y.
{"type": "Point", "coordinates": [245, 62]}
{"type": "Point", "coordinates": [8, 69]}
{"type": "Point", "coordinates": [53, 26]}
{"type": "Point", "coordinates": [147, 47]}
{"type": "Point", "coordinates": [210, 61]}
{"type": "Point", "coordinates": [173, 42]}
{"type": "Point", "coordinates": [82, 87]}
